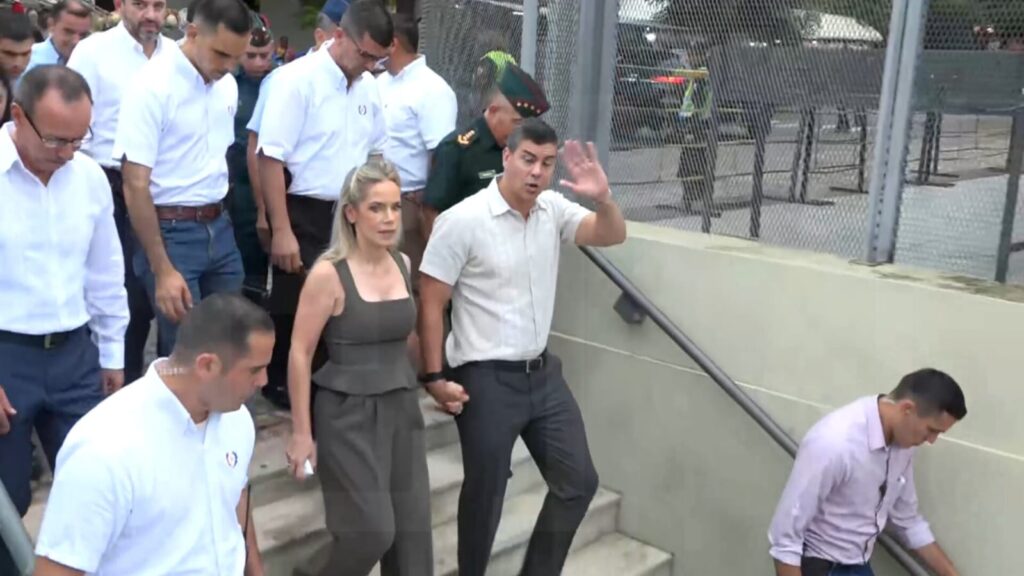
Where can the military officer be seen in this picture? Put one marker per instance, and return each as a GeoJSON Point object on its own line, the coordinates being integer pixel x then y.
{"type": "Point", "coordinates": [465, 162]}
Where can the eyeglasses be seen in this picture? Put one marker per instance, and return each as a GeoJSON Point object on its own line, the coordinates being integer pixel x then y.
{"type": "Point", "coordinates": [367, 56]}
{"type": "Point", "coordinates": [54, 143]}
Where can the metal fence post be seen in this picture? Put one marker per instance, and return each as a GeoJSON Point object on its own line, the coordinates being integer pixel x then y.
{"type": "Point", "coordinates": [896, 109]}
{"type": "Point", "coordinates": [528, 47]}
{"type": "Point", "coordinates": [591, 111]}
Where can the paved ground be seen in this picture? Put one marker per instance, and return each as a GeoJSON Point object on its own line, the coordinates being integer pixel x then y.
{"type": "Point", "coordinates": [952, 224]}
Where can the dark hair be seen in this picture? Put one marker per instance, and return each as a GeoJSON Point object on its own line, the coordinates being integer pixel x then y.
{"type": "Point", "coordinates": [369, 17]}
{"type": "Point", "coordinates": [933, 391]}
{"type": "Point", "coordinates": [232, 14]}
{"type": "Point", "coordinates": [220, 324]}
{"type": "Point", "coordinates": [532, 130]}
{"type": "Point", "coordinates": [190, 11]}
{"type": "Point", "coordinates": [35, 83]}
{"type": "Point", "coordinates": [407, 31]}
{"type": "Point", "coordinates": [14, 26]}
{"type": "Point", "coordinates": [76, 8]}
{"type": "Point", "coordinates": [324, 22]}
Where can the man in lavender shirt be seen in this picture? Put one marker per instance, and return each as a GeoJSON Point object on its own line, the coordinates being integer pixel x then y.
{"type": "Point", "coordinates": [854, 475]}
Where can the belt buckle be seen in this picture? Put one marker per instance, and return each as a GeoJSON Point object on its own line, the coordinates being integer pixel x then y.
{"type": "Point", "coordinates": [530, 364]}
{"type": "Point", "coordinates": [48, 342]}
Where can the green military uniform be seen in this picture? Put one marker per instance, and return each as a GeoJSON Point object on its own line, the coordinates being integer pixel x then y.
{"type": "Point", "coordinates": [466, 161]}
{"type": "Point", "coordinates": [242, 205]}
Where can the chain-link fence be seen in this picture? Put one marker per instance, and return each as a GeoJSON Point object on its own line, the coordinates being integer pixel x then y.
{"type": "Point", "coordinates": [758, 118]}
{"type": "Point", "coordinates": [459, 35]}
{"type": "Point", "coordinates": [968, 91]}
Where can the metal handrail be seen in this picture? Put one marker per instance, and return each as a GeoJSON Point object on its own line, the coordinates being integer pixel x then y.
{"type": "Point", "coordinates": [728, 385]}
{"type": "Point", "coordinates": [14, 536]}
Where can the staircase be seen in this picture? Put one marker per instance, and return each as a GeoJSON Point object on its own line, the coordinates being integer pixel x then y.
{"type": "Point", "coordinates": [290, 519]}
{"type": "Point", "coordinates": [289, 515]}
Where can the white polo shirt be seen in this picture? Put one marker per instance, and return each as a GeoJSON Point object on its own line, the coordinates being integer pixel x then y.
{"type": "Point", "coordinates": [255, 121]}
{"type": "Point", "coordinates": [60, 256]}
{"type": "Point", "coordinates": [108, 61]}
{"type": "Point", "coordinates": [319, 126]}
{"type": "Point", "coordinates": [140, 489]}
{"type": "Point", "coordinates": [175, 123]}
{"type": "Point", "coordinates": [420, 109]}
{"type": "Point", "coordinates": [503, 270]}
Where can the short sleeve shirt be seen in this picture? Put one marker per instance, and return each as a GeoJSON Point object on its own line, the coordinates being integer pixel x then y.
{"type": "Point", "coordinates": [161, 499]}
{"type": "Point", "coordinates": [179, 125]}
{"type": "Point", "coordinates": [319, 125]}
{"type": "Point", "coordinates": [420, 109]}
{"type": "Point", "coordinates": [503, 269]}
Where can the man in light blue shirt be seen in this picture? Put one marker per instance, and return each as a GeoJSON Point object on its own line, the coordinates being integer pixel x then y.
{"type": "Point", "coordinates": [72, 21]}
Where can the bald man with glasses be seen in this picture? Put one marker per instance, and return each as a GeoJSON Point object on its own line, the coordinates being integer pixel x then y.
{"type": "Point", "coordinates": [65, 308]}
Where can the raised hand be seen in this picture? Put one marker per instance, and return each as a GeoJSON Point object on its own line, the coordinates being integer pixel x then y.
{"type": "Point", "coordinates": [587, 177]}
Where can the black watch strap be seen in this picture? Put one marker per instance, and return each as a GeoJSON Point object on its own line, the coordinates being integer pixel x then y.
{"type": "Point", "coordinates": [430, 377]}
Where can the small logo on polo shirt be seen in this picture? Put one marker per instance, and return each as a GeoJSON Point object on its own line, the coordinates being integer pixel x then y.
{"type": "Point", "coordinates": [231, 458]}
{"type": "Point", "coordinates": [362, 110]}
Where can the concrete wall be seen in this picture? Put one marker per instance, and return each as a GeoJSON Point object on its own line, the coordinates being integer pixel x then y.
{"type": "Point", "coordinates": [803, 333]}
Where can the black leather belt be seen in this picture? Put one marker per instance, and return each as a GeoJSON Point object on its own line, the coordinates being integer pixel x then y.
{"type": "Point", "coordinates": [44, 341]}
{"type": "Point", "coordinates": [522, 366]}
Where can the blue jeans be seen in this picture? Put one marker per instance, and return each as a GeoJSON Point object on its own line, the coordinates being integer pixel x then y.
{"type": "Point", "coordinates": [206, 256]}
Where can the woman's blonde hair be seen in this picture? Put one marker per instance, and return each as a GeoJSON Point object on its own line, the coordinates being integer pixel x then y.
{"type": "Point", "coordinates": [353, 192]}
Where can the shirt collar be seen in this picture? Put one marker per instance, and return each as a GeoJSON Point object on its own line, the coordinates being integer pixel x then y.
{"type": "Point", "coordinates": [169, 403]}
{"type": "Point", "coordinates": [876, 435]}
{"type": "Point", "coordinates": [496, 202]}
{"type": "Point", "coordinates": [483, 132]}
{"type": "Point", "coordinates": [122, 31]}
{"type": "Point", "coordinates": [419, 62]}
{"type": "Point", "coordinates": [331, 68]}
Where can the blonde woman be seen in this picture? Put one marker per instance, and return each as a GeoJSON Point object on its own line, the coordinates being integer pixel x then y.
{"type": "Point", "coordinates": [370, 453]}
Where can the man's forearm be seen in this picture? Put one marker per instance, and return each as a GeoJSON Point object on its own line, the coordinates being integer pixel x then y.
{"type": "Point", "coordinates": [253, 560]}
{"type": "Point", "coordinates": [611, 225]}
{"type": "Point", "coordinates": [782, 569]}
{"type": "Point", "coordinates": [145, 223]}
{"type": "Point", "coordinates": [431, 334]}
{"type": "Point", "coordinates": [937, 560]}
{"type": "Point", "coordinates": [428, 215]}
{"type": "Point", "coordinates": [271, 174]}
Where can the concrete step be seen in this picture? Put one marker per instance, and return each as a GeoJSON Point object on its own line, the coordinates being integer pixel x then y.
{"type": "Point", "coordinates": [298, 515]}
{"type": "Point", "coordinates": [268, 470]}
{"type": "Point", "coordinates": [517, 520]}
{"type": "Point", "coordinates": [618, 555]}
{"type": "Point", "coordinates": [284, 548]}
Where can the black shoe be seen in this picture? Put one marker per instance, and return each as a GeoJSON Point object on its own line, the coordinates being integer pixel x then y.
{"type": "Point", "coordinates": [277, 396]}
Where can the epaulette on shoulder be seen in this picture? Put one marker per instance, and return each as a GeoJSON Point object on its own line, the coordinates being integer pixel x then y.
{"type": "Point", "coordinates": [466, 138]}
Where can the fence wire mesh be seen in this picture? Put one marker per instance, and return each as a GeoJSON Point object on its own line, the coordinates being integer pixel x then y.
{"type": "Point", "coordinates": [748, 118]}
{"type": "Point", "coordinates": [968, 88]}
{"type": "Point", "coordinates": [757, 118]}
{"type": "Point", "coordinates": [458, 34]}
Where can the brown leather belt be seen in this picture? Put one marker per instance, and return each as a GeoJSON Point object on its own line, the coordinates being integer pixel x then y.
{"type": "Point", "coordinates": [205, 213]}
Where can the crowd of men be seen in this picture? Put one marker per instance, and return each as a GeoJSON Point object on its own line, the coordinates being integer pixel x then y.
{"type": "Point", "coordinates": [146, 180]}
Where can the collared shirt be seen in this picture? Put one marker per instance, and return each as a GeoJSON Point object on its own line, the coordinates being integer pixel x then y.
{"type": "Point", "coordinates": [503, 270]}
{"type": "Point", "coordinates": [420, 109]}
{"type": "Point", "coordinates": [44, 53]}
{"type": "Point", "coordinates": [319, 126]}
{"type": "Point", "coordinates": [175, 123]}
{"type": "Point", "coordinates": [256, 119]}
{"type": "Point", "coordinates": [60, 254]}
{"type": "Point", "coordinates": [463, 164]}
{"type": "Point", "coordinates": [161, 500]}
{"type": "Point", "coordinates": [834, 504]}
{"type": "Point", "coordinates": [109, 61]}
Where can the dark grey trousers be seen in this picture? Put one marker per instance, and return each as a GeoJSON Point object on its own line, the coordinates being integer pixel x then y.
{"type": "Point", "coordinates": [372, 463]}
{"type": "Point", "coordinates": [504, 405]}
